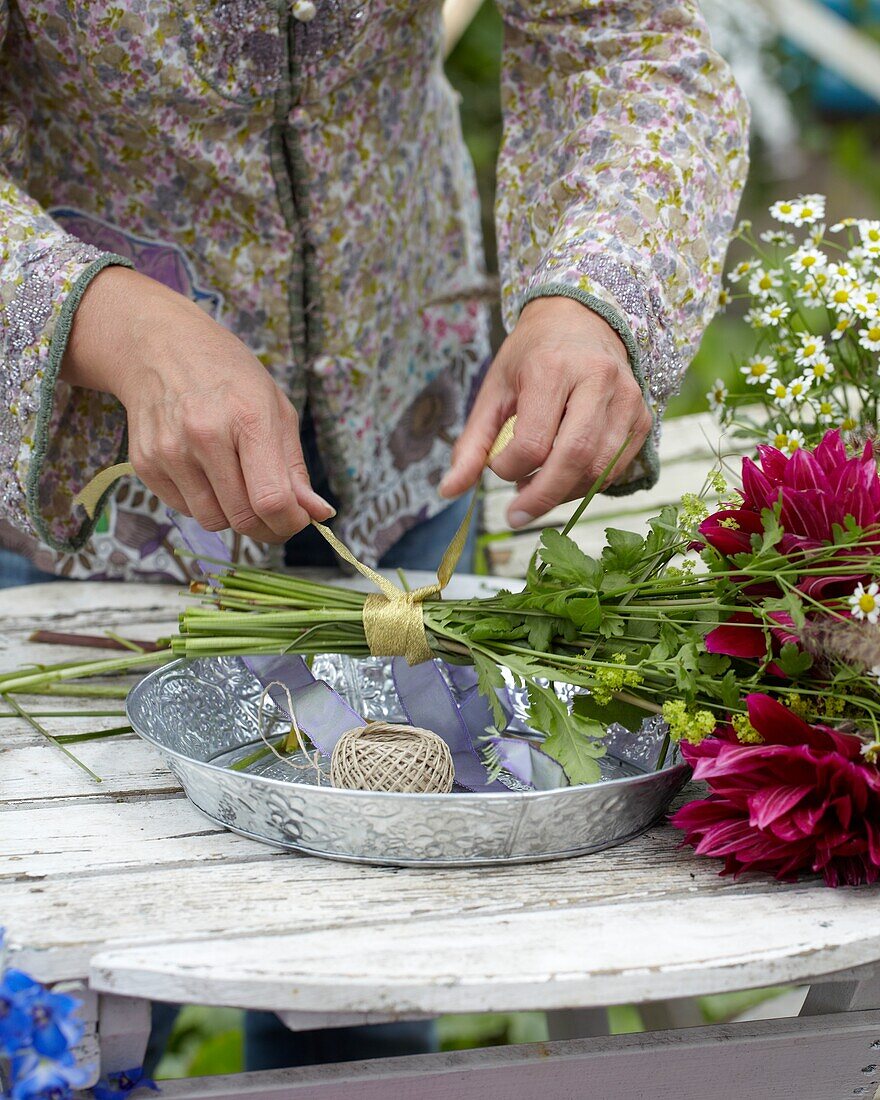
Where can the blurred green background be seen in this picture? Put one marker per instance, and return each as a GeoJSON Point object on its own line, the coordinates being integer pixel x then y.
{"type": "Point", "coordinates": [837, 153]}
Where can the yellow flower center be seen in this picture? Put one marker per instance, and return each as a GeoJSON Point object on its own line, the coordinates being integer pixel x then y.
{"type": "Point", "coordinates": [793, 444]}
{"type": "Point", "coordinates": [825, 408]}
{"type": "Point", "coordinates": [819, 370]}
{"type": "Point", "coordinates": [807, 212]}
{"type": "Point", "coordinates": [810, 349]}
{"type": "Point", "coordinates": [759, 369]}
{"type": "Point", "coordinates": [808, 261]}
{"type": "Point", "coordinates": [874, 333]}
{"type": "Point", "coordinates": [785, 208]}
{"type": "Point", "coordinates": [841, 296]}
{"type": "Point", "coordinates": [874, 234]}
{"type": "Point", "coordinates": [867, 602]}
{"type": "Point", "coordinates": [780, 441]}
{"type": "Point", "coordinates": [766, 283]}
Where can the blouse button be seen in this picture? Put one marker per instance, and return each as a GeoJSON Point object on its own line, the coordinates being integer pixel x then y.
{"type": "Point", "coordinates": [303, 10]}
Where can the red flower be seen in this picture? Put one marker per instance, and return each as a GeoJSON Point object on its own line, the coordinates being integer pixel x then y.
{"type": "Point", "coordinates": [805, 801]}
{"type": "Point", "coordinates": [817, 489]}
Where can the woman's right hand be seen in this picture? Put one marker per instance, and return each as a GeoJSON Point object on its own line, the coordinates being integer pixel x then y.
{"type": "Point", "coordinates": [209, 432]}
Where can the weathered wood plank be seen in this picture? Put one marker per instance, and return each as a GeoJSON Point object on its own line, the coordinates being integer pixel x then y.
{"type": "Point", "coordinates": [543, 959]}
{"type": "Point", "coordinates": [53, 839]}
{"type": "Point", "coordinates": [53, 930]}
{"type": "Point", "coordinates": [818, 1059]}
{"type": "Point", "coordinates": [127, 766]}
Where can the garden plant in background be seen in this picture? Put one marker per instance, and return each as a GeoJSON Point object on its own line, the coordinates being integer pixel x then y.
{"type": "Point", "coordinates": [814, 306]}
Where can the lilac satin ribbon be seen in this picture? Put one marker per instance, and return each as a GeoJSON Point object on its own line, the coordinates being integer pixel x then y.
{"type": "Point", "coordinates": [323, 715]}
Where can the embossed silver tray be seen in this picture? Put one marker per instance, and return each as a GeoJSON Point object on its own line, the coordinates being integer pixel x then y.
{"type": "Point", "coordinates": [202, 716]}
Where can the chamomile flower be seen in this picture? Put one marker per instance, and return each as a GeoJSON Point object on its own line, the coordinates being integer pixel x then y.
{"type": "Point", "coordinates": [844, 223]}
{"type": "Point", "coordinates": [741, 270]}
{"type": "Point", "coordinates": [864, 604]}
{"type": "Point", "coordinates": [774, 313]}
{"type": "Point", "coordinates": [763, 283]}
{"type": "Point", "coordinates": [859, 259]}
{"type": "Point", "coordinates": [866, 305]}
{"type": "Point", "coordinates": [869, 231]}
{"type": "Point", "coordinates": [759, 368]}
{"type": "Point", "coordinates": [799, 387]}
{"type": "Point", "coordinates": [755, 319]}
{"type": "Point", "coordinates": [724, 299]}
{"type": "Point", "coordinates": [717, 395]}
{"type": "Point", "coordinates": [811, 349]}
{"type": "Point", "coordinates": [841, 297]}
{"type": "Point", "coordinates": [808, 259]}
{"type": "Point", "coordinates": [869, 337]}
{"type": "Point", "coordinates": [808, 210]}
{"type": "Point", "coordinates": [825, 411]}
{"type": "Point", "coordinates": [786, 440]}
{"type": "Point", "coordinates": [784, 210]}
{"type": "Point", "coordinates": [843, 326]}
{"type": "Point", "coordinates": [780, 237]}
{"type": "Point", "coordinates": [820, 370]}
{"type": "Point", "coordinates": [779, 392]}
{"type": "Point", "coordinates": [817, 233]}
{"type": "Point", "coordinates": [841, 271]}
{"type": "Point", "coordinates": [814, 289]}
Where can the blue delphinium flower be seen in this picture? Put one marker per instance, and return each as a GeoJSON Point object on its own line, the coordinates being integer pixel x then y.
{"type": "Point", "coordinates": [121, 1084]}
{"type": "Point", "coordinates": [53, 1028]}
{"type": "Point", "coordinates": [15, 1023]}
{"type": "Point", "coordinates": [37, 1030]}
{"type": "Point", "coordinates": [36, 1078]}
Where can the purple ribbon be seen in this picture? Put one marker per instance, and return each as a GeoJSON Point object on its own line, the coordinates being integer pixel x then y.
{"type": "Point", "coordinates": [323, 715]}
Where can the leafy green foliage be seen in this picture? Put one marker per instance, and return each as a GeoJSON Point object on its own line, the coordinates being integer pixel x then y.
{"type": "Point", "coordinates": [571, 739]}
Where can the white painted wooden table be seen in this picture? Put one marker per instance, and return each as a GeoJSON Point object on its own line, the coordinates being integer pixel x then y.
{"type": "Point", "coordinates": [127, 889]}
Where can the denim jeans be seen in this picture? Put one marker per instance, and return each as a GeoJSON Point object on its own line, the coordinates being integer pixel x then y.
{"type": "Point", "coordinates": [16, 570]}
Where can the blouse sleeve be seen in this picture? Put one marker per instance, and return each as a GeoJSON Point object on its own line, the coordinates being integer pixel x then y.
{"type": "Point", "coordinates": [53, 438]}
{"type": "Point", "coordinates": [620, 173]}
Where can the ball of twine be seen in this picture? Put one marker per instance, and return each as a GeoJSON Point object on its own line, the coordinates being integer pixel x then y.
{"type": "Point", "coordinates": [382, 756]}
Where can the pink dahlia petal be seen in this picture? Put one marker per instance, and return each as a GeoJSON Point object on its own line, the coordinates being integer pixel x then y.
{"type": "Point", "coordinates": [758, 490]}
{"type": "Point", "coordinates": [772, 803]}
{"type": "Point", "coordinates": [773, 463]}
{"type": "Point", "coordinates": [776, 723]}
{"type": "Point", "coordinates": [831, 453]}
{"type": "Point", "coordinates": [740, 636]}
{"type": "Point", "coordinates": [804, 471]}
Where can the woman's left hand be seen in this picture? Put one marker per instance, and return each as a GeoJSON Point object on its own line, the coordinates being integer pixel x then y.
{"type": "Point", "coordinates": [566, 374]}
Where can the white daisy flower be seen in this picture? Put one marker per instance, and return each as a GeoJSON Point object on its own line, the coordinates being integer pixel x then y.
{"type": "Point", "coordinates": [817, 233]}
{"type": "Point", "coordinates": [842, 327]}
{"type": "Point", "coordinates": [780, 237]}
{"type": "Point", "coordinates": [763, 283]}
{"type": "Point", "coordinates": [864, 603]}
{"type": "Point", "coordinates": [842, 296]}
{"type": "Point", "coordinates": [825, 411]}
{"type": "Point", "coordinates": [774, 313]}
{"type": "Point", "coordinates": [786, 440]}
{"type": "Point", "coordinates": [842, 271]}
{"type": "Point", "coordinates": [785, 211]}
{"type": "Point", "coordinates": [808, 210]}
{"type": "Point", "coordinates": [759, 369]}
{"type": "Point", "coordinates": [755, 318]}
{"type": "Point", "coordinates": [820, 370]}
{"type": "Point", "coordinates": [724, 299]}
{"type": "Point", "coordinates": [869, 231]}
{"type": "Point", "coordinates": [811, 349]}
{"type": "Point", "coordinates": [845, 223]}
{"type": "Point", "coordinates": [779, 392]}
{"type": "Point", "coordinates": [717, 395]}
{"type": "Point", "coordinates": [799, 387]}
{"type": "Point", "coordinates": [869, 338]}
{"type": "Point", "coordinates": [859, 259]}
{"type": "Point", "coordinates": [808, 259]}
{"type": "Point", "coordinates": [865, 306]}
{"type": "Point", "coordinates": [741, 270]}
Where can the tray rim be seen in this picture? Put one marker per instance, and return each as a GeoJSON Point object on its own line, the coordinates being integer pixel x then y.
{"type": "Point", "coordinates": [463, 798]}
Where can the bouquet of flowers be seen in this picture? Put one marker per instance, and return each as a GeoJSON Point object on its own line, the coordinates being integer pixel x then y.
{"type": "Point", "coordinates": [764, 662]}
{"type": "Point", "coordinates": [814, 304]}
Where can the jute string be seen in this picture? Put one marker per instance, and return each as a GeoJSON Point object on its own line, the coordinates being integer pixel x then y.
{"type": "Point", "coordinates": [393, 621]}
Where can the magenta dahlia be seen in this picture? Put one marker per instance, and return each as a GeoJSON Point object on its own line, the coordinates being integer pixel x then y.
{"type": "Point", "coordinates": [816, 490]}
{"type": "Point", "coordinates": [807, 800]}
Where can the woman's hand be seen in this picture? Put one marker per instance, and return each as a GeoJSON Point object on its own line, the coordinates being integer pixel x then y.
{"type": "Point", "coordinates": [566, 374]}
{"type": "Point", "coordinates": [209, 431]}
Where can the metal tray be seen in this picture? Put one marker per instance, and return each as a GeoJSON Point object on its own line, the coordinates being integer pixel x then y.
{"type": "Point", "coordinates": [202, 716]}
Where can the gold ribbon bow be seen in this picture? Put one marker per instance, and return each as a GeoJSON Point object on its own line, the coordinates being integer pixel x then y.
{"type": "Point", "coordinates": [393, 622]}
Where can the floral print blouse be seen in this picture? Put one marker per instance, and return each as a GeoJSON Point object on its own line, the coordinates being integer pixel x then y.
{"type": "Point", "coordinates": [298, 169]}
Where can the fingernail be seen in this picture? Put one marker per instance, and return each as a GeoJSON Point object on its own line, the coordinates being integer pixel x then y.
{"type": "Point", "coordinates": [519, 519]}
{"type": "Point", "coordinates": [331, 511]}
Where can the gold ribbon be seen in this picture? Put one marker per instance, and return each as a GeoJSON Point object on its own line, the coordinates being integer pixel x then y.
{"type": "Point", "coordinates": [393, 622]}
{"type": "Point", "coordinates": [90, 496]}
